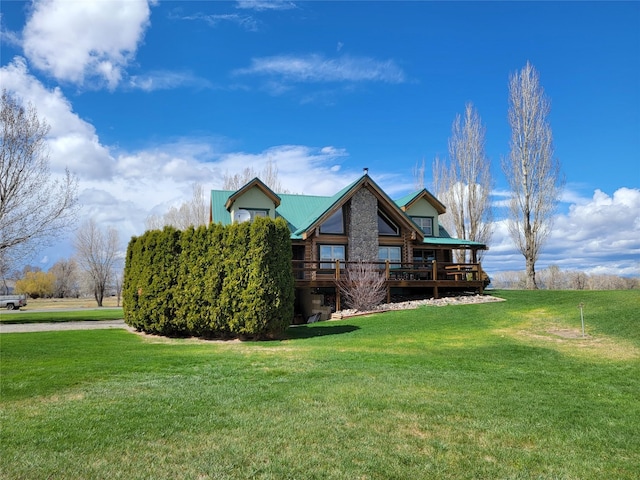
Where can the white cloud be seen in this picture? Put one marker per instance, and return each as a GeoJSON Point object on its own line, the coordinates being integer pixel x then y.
{"type": "Point", "coordinates": [261, 5]}
{"type": "Point", "coordinates": [301, 169]}
{"type": "Point", "coordinates": [597, 235]}
{"type": "Point", "coordinates": [80, 41]}
{"type": "Point", "coordinates": [245, 21]}
{"type": "Point", "coordinates": [603, 230]}
{"type": "Point", "coordinates": [166, 80]}
{"type": "Point", "coordinates": [317, 68]}
{"type": "Point", "coordinates": [73, 142]}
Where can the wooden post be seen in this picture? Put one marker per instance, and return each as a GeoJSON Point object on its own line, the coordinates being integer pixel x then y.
{"type": "Point", "coordinates": [434, 269]}
{"type": "Point", "coordinates": [337, 288]}
{"type": "Point", "coordinates": [386, 273]}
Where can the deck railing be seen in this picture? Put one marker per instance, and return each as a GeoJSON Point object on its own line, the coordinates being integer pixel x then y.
{"type": "Point", "coordinates": [393, 271]}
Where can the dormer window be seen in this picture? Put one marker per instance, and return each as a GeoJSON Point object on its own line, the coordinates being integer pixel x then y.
{"type": "Point", "coordinates": [257, 212]}
{"type": "Point", "coordinates": [425, 224]}
{"type": "Point", "coordinates": [334, 224]}
{"type": "Point", "coordinates": [249, 214]}
{"type": "Point", "coordinates": [386, 226]}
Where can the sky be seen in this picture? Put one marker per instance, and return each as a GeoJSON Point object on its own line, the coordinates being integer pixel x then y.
{"type": "Point", "coordinates": [146, 98]}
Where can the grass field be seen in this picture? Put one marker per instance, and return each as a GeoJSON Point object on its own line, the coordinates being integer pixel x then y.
{"type": "Point", "coordinates": [501, 390]}
{"type": "Point", "coordinates": [58, 310]}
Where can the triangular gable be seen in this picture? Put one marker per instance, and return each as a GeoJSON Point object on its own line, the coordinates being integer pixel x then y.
{"type": "Point", "coordinates": [324, 210]}
{"type": "Point", "coordinates": [256, 182]}
{"type": "Point", "coordinates": [406, 202]}
{"type": "Point", "coordinates": [340, 198]}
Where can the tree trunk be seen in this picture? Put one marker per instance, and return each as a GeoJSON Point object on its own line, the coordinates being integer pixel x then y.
{"type": "Point", "coordinates": [531, 274]}
{"type": "Point", "coordinates": [98, 295]}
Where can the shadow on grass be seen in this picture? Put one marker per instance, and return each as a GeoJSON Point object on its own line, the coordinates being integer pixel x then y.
{"type": "Point", "coordinates": [312, 331]}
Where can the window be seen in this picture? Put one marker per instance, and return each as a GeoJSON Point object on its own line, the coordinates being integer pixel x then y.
{"type": "Point", "coordinates": [424, 257]}
{"type": "Point", "coordinates": [393, 254]}
{"type": "Point", "coordinates": [386, 226]}
{"type": "Point", "coordinates": [334, 224]}
{"type": "Point", "coordinates": [255, 213]}
{"type": "Point", "coordinates": [425, 223]}
{"type": "Point", "coordinates": [329, 254]}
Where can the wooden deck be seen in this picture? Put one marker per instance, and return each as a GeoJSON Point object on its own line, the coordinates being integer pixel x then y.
{"type": "Point", "coordinates": [417, 277]}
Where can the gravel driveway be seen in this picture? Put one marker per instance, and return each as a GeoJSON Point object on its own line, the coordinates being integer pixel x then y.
{"type": "Point", "coordinates": [57, 326]}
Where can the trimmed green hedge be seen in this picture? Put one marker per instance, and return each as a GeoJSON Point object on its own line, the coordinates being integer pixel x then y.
{"type": "Point", "coordinates": [220, 282]}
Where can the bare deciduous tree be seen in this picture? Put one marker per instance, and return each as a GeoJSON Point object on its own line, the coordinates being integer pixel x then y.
{"type": "Point", "coordinates": [532, 171]}
{"type": "Point", "coordinates": [363, 286]}
{"type": "Point", "coordinates": [578, 280]}
{"type": "Point", "coordinates": [5, 269]}
{"type": "Point", "coordinates": [269, 176]}
{"type": "Point", "coordinates": [418, 175]}
{"type": "Point", "coordinates": [193, 212]}
{"type": "Point", "coordinates": [66, 278]}
{"type": "Point", "coordinates": [553, 278]}
{"type": "Point", "coordinates": [34, 206]}
{"type": "Point", "coordinates": [463, 183]}
{"type": "Point", "coordinates": [97, 254]}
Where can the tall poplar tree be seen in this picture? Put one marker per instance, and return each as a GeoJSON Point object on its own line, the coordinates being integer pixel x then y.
{"type": "Point", "coordinates": [531, 169]}
{"type": "Point", "coordinates": [463, 182]}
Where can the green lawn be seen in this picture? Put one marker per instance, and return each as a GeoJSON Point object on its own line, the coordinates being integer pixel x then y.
{"type": "Point", "coordinates": [61, 316]}
{"type": "Point", "coordinates": [501, 390]}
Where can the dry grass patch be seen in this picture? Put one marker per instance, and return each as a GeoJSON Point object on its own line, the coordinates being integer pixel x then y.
{"type": "Point", "coordinates": [569, 341]}
{"type": "Point", "coordinates": [52, 303]}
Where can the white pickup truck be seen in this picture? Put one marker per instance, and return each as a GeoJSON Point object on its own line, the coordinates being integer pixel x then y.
{"type": "Point", "coordinates": [11, 302]}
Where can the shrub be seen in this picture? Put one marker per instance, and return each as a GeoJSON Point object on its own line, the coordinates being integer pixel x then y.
{"type": "Point", "coordinates": [269, 296]}
{"type": "Point", "coordinates": [37, 284]}
{"type": "Point", "coordinates": [212, 282]}
{"type": "Point", "coordinates": [362, 286]}
{"type": "Point", "coordinates": [150, 282]}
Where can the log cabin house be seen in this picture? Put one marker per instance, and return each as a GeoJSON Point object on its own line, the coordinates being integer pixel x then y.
{"type": "Point", "coordinates": [360, 223]}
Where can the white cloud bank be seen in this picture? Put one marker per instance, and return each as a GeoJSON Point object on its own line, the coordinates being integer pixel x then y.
{"type": "Point", "coordinates": [598, 235]}
{"type": "Point", "coordinates": [73, 143]}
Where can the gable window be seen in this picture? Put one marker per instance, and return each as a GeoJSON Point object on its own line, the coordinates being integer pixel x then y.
{"type": "Point", "coordinates": [393, 254]}
{"type": "Point", "coordinates": [386, 226]}
{"type": "Point", "coordinates": [329, 254]}
{"type": "Point", "coordinates": [425, 223]}
{"type": "Point", "coordinates": [334, 224]}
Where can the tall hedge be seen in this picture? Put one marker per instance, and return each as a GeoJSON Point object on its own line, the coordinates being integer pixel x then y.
{"type": "Point", "coordinates": [215, 281]}
{"type": "Point", "coordinates": [269, 295]}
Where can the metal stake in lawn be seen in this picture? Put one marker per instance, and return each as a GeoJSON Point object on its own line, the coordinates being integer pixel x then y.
{"type": "Point", "coordinates": [581, 316]}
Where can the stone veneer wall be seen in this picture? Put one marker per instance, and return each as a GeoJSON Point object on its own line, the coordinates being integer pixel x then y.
{"type": "Point", "coordinates": [363, 227]}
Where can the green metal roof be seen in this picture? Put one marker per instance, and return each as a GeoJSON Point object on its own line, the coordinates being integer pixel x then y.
{"type": "Point", "coordinates": [302, 211]}
{"type": "Point", "coordinates": [451, 242]}
{"type": "Point", "coordinates": [324, 207]}
{"type": "Point", "coordinates": [407, 199]}
{"type": "Point", "coordinates": [219, 212]}
{"type": "Point", "coordinates": [401, 202]}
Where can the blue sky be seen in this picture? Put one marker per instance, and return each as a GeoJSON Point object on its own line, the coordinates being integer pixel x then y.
{"type": "Point", "coordinates": [146, 98]}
